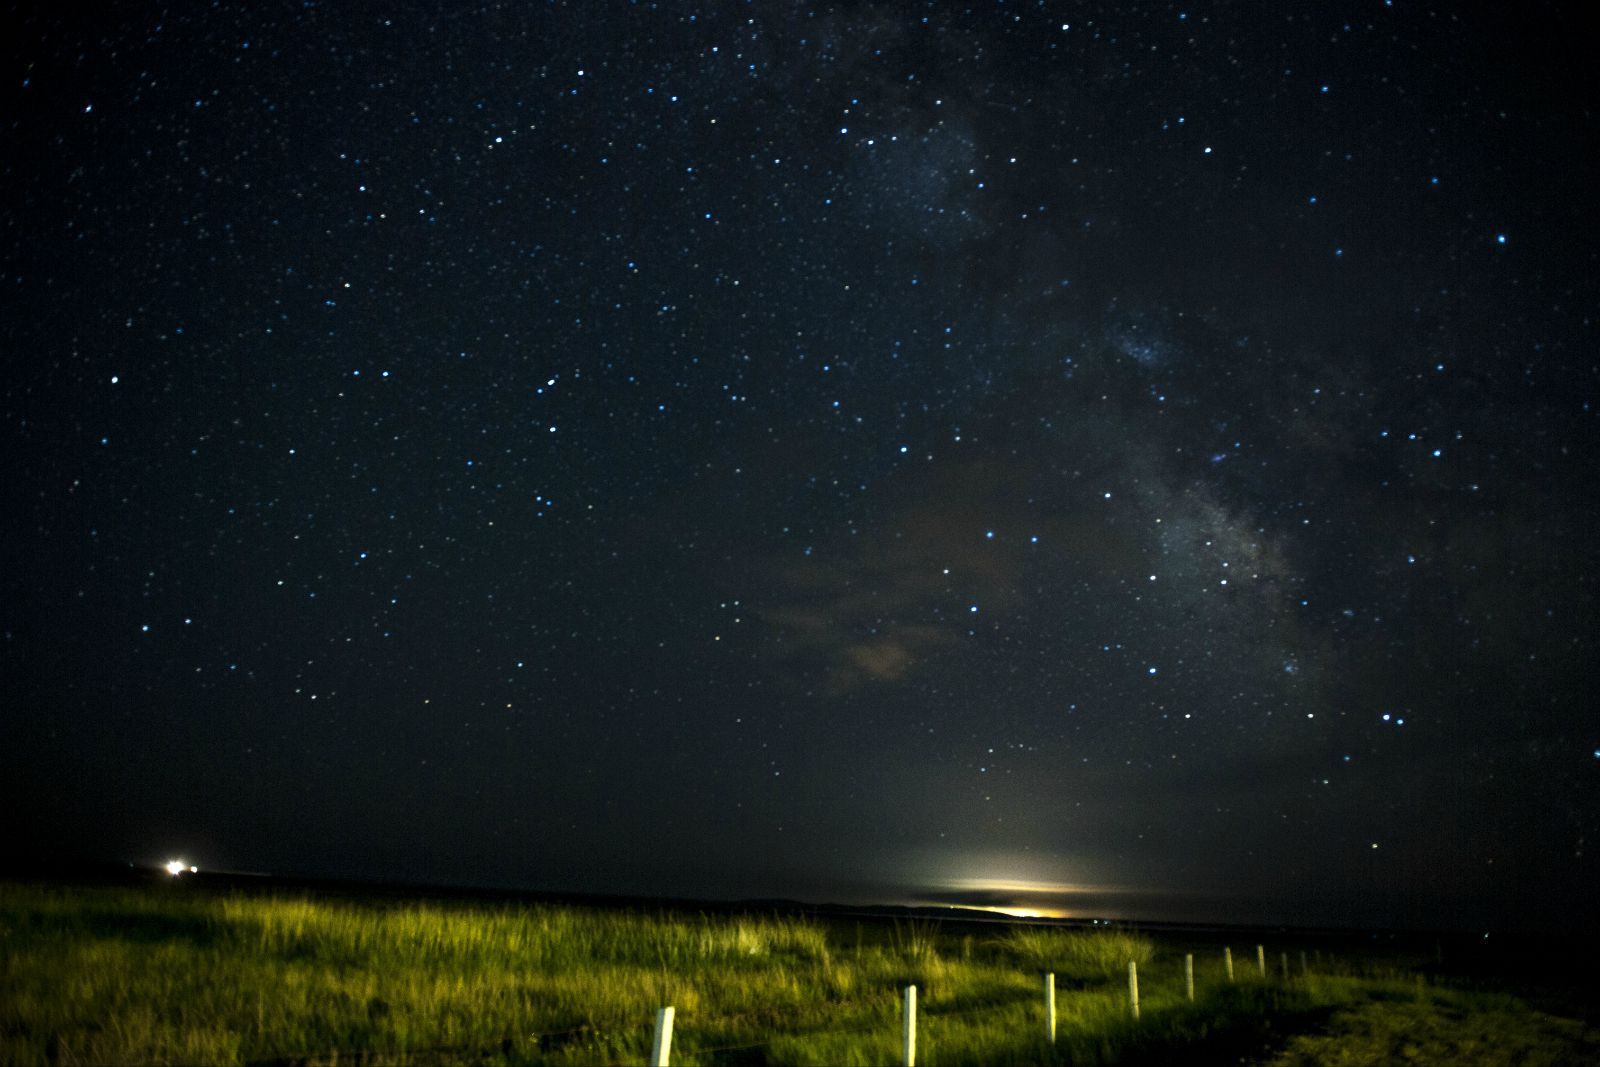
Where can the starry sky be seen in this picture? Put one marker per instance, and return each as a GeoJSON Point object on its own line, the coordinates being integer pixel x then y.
{"type": "Point", "coordinates": [1124, 459]}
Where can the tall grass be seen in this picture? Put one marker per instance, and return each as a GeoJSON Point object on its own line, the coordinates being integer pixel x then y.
{"type": "Point", "coordinates": [171, 974]}
{"type": "Point", "coordinates": [1077, 954]}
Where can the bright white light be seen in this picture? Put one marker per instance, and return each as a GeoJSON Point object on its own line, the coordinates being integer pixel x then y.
{"type": "Point", "coordinates": [177, 867]}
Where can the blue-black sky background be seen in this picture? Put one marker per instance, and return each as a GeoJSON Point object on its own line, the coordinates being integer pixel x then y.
{"type": "Point", "coordinates": [1114, 458]}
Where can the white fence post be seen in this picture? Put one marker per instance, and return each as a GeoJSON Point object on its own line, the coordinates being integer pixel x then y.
{"type": "Point", "coordinates": [661, 1046]}
{"type": "Point", "coordinates": [1133, 986]}
{"type": "Point", "coordinates": [1284, 959]}
{"type": "Point", "coordinates": [1261, 959]}
{"type": "Point", "coordinates": [910, 1021]}
{"type": "Point", "coordinates": [1050, 1006]}
{"type": "Point", "coordinates": [1188, 975]}
{"type": "Point", "coordinates": [1227, 961]}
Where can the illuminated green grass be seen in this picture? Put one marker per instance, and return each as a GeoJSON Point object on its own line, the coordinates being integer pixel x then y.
{"type": "Point", "coordinates": [171, 974]}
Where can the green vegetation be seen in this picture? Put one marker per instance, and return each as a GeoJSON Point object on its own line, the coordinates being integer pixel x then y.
{"type": "Point", "coordinates": [1075, 954]}
{"type": "Point", "coordinates": [1443, 1027]}
{"type": "Point", "coordinates": [173, 974]}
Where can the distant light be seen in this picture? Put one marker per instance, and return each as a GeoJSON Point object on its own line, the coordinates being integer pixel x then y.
{"type": "Point", "coordinates": [1499, 238]}
{"type": "Point", "coordinates": [177, 867]}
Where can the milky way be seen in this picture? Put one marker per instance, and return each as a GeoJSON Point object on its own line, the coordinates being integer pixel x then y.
{"type": "Point", "coordinates": [1102, 456]}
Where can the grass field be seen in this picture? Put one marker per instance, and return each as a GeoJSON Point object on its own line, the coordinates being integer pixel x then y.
{"type": "Point", "coordinates": [176, 974]}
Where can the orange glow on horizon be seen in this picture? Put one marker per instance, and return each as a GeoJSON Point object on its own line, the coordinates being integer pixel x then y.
{"type": "Point", "coordinates": [1017, 912]}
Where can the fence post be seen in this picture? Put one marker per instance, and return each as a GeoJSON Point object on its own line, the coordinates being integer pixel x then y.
{"type": "Point", "coordinates": [661, 1046]}
{"type": "Point", "coordinates": [1261, 959]}
{"type": "Point", "coordinates": [910, 1028]}
{"type": "Point", "coordinates": [1227, 961]}
{"type": "Point", "coordinates": [1133, 986]}
{"type": "Point", "coordinates": [1304, 970]}
{"type": "Point", "coordinates": [1188, 975]}
{"type": "Point", "coordinates": [1050, 1006]}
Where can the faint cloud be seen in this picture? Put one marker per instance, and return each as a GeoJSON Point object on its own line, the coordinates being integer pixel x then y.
{"type": "Point", "coordinates": [883, 660]}
{"type": "Point", "coordinates": [879, 606]}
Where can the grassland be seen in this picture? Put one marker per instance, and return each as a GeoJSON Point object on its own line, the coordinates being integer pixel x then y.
{"type": "Point", "coordinates": [173, 974]}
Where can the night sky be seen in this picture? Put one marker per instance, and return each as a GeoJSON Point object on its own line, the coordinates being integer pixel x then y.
{"type": "Point", "coordinates": [1114, 459]}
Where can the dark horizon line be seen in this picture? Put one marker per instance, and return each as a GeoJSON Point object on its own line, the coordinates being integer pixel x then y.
{"type": "Point", "coordinates": [143, 872]}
